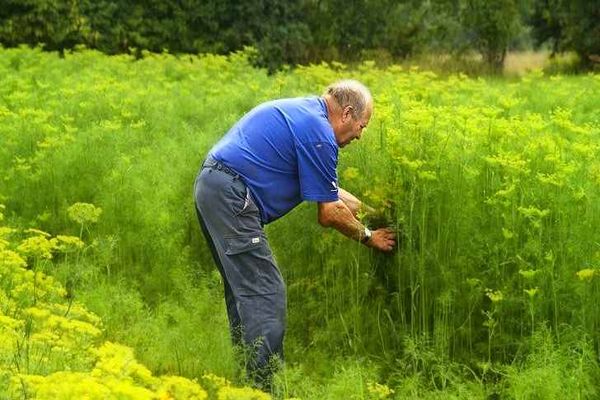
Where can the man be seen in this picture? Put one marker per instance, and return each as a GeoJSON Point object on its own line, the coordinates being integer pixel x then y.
{"type": "Point", "coordinates": [279, 154]}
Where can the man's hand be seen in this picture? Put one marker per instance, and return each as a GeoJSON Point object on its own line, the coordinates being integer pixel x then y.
{"type": "Point", "coordinates": [337, 215]}
{"type": "Point", "coordinates": [383, 239]}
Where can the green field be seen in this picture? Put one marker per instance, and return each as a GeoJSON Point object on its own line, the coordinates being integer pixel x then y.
{"type": "Point", "coordinates": [493, 186]}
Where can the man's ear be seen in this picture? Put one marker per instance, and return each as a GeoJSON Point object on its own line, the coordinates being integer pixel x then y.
{"type": "Point", "coordinates": [347, 113]}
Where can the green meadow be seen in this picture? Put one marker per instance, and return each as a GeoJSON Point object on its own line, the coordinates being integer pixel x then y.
{"type": "Point", "coordinates": [492, 184]}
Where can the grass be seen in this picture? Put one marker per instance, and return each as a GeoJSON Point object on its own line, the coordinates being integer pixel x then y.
{"type": "Point", "coordinates": [493, 186]}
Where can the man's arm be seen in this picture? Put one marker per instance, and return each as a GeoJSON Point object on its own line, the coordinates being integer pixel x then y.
{"type": "Point", "coordinates": [353, 203]}
{"type": "Point", "coordinates": [337, 214]}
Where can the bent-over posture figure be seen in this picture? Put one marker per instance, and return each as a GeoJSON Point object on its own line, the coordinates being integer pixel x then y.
{"type": "Point", "coordinates": [279, 154]}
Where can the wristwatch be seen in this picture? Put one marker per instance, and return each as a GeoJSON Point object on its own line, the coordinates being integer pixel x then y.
{"type": "Point", "coordinates": [366, 235]}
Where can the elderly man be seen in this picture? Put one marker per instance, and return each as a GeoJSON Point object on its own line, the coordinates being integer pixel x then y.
{"type": "Point", "coordinates": [279, 154]}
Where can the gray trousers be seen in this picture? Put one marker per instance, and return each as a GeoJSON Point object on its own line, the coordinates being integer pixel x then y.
{"type": "Point", "coordinates": [254, 289]}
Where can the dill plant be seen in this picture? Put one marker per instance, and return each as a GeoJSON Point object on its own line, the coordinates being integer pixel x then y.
{"type": "Point", "coordinates": [51, 350]}
{"type": "Point", "coordinates": [485, 180]}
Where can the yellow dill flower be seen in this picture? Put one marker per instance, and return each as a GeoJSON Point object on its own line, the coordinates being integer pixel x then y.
{"type": "Point", "coordinates": [510, 161]}
{"type": "Point", "coordinates": [20, 383]}
{"type": "Point", "coordinates": [494, 295]}
{"type": "Point", "coordinates": [586, 274]}
{"type": "Point", "coordinates": [22, 291]}
{"type": "Point", "coordinates": [532, 292]}
{"type": "Point", "coordinates": [528, 273]}
{"type": "Point", "coordinates": [45, 337]}
{"type": "Point", "coordinates": [47, 286]}
{"type": "Point", "coordinates": [226, 392]}
{"type": "Point", "coordinates": [7, 322]}
{"type": "Point", "coordinates": [84, 213]}
{"type": "Point", "coordinates": [78, 328]}
{"type": "Point", "coordinates": [37, 232]}
{"type": "Point", "coordinates": [507, 233]}
{"type": "Point", "coordinates": [5, 231]}
{"type": "Point", "coordinates": [473, 282]}
{"type": "Point", "coordinates": [111, 125]}
{"type": "Point", "coordinates": [125, 389]}
{"type": "Point", "coordinates": [118, 361]}
{"type": "Point", "coordinates": [216, 380]}
{"type": "Point", "coordinates": [66, 385]}
{"type": "Point", "coordinates": [176, 387]}
{"type": "Point", "coordinates": [38, 247]}
{"type": "Point", "coordinates": [138, 124]}
{"type": "Point", "coordinates": [412, 165]}
{"type": "Point", "coordinates": [76, 311]}
{"type": "Point", "coordinates": [37, 313]}
{"type": "Point", "coordinates": [350, 173]}
{"type": "Point", "coordinates": [379, 391]}
{"type": "Point", "coordinates": [427, 175]}
{"type": "Point", "coordinates": [245, 393]}
{"type": "Point", "coordinates": [68, 244]}
{"type": "Point", "coordinates": [533, 212]}
{"type": "Point", "coordinates": [11, 259]}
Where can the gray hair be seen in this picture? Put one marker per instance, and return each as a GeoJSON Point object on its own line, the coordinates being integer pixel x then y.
{"type": "Point", "coordinates": [349, 92]}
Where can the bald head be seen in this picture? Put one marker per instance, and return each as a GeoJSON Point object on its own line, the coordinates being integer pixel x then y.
{"type": "Point", "coordinates": [349, 92]}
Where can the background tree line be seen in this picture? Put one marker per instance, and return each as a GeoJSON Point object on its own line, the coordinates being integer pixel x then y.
{"type": "Point", "coordinates": [302, 31]}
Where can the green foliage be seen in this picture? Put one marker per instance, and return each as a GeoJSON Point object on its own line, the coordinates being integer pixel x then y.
{"type": "Point", "coordinates": [493, 187]}
{"type": "Point", "coordinates": [51, 347]}
{"type": "Point", "coordinates": [300, 32]}
{"type": "Point", "coordinates": [553, 372]}
{"type": "Point", "coordinates": [492, 26]}
{"type": "Point", "coordinates": [569, 26]}
{"type": "Point", "coordinates": [58, 24]}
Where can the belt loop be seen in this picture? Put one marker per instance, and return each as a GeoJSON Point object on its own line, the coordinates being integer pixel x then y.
{"type": "Point", "coordinates": [211, 164]}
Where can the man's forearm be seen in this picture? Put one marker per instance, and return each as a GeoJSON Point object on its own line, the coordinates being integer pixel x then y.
{"type": "Point", "coordinates": [338, 215]}
{"type": "Point", "coordinates": [351, 201]}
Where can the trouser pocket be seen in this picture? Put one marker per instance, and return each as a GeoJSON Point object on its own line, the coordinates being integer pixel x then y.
{"type": "Point", "coordinates": [252, 270]}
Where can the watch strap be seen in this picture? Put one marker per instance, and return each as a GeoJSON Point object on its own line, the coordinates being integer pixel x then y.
{"type": "Point", "coordinates": [366, 235]}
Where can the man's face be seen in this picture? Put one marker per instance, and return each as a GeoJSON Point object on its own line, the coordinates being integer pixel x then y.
{"type": "Point", "coordinates": [352, 128]}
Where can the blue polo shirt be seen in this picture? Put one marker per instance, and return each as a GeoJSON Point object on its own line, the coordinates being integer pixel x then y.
{"type": "Point", "coordinates": [285, 152]}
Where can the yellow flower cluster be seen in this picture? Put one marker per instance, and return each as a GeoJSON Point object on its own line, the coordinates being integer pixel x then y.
{"type": "Point", "coordinates": [494, 295]}
{"type": "Point", "coordinates": [84, 213]}
{"type": "Point", "coordinates": [379, 391]}
{"type": "Point", "coordinates": [42, 246]}
{"type": "Point", "coordinates": [67, 244]}
{"type": "Point", "coordinates": [586, 274]}
{"type": "Point", "coordinates": [37, 247]}
{"type": "Point", "coordinates": [52, 349]}
{"type": "Point", "coordinates": [224, 391]}
{"type": "Point", "coordinates": [532, 292]}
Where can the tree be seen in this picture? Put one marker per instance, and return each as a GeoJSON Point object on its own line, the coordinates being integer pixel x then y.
{"type": "Point", "coordinates": [277, 28]}
{"type": "Point", "coordinates": [491, 26]}
{"type": "Point", "coordinates": [56, 23]}
{"type": "Point", "coordinates": [572, 25]}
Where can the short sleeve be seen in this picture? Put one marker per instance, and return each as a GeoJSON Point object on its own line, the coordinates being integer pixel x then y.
{"type": "Point", "coordinates": [317, 163]}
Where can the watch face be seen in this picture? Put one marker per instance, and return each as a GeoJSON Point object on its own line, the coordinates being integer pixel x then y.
{"type": "Point", "coordinates": [367, 235]}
